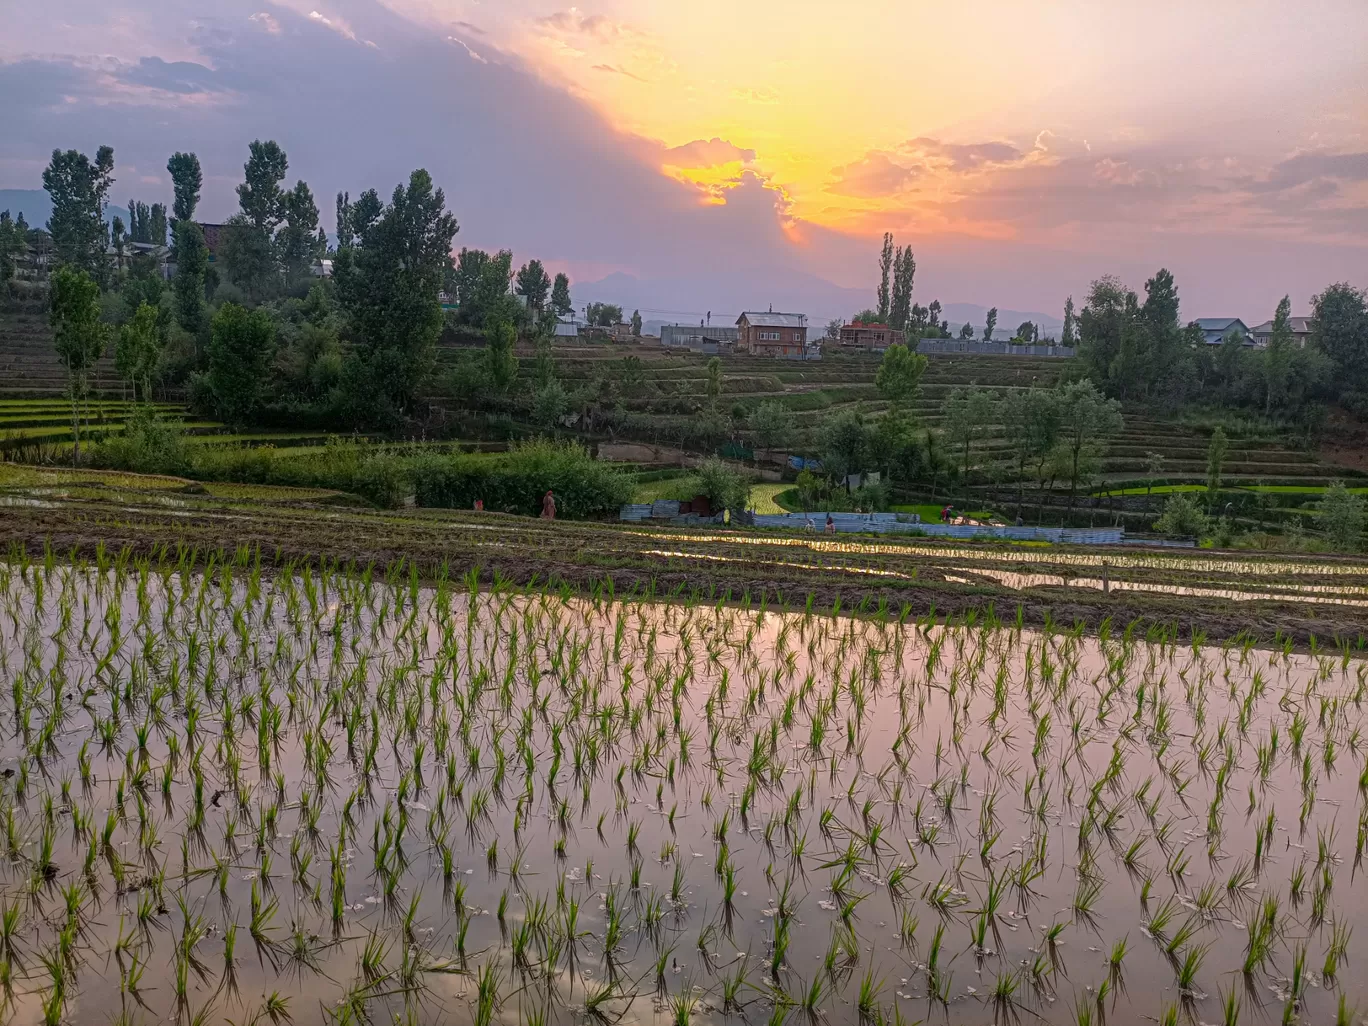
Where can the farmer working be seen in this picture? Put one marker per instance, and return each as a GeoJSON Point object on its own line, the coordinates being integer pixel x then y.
{"type": "Point", "coordinates": [548, 506]}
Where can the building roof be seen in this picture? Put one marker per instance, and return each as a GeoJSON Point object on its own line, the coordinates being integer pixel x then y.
{"type": "Point", "coordinates": [1299, 326]}
{"type": "Point", "coordinates": [1219, 323]}
{"type": "Point", "coordinates": [866, 326]}
{"type": "Point", "coordinates": [761, 319]}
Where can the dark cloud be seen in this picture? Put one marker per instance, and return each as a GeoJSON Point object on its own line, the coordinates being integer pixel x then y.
{"type": "Point", "coordinates": [964, 156]}
{"type": "Point", "coordinates": [172, 77]}
{"type": "Point", "coordinates": [1303, 168]}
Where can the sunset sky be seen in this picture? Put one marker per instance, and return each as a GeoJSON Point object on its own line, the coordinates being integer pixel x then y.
{"type": "Point", "coordinates": [737, 148]}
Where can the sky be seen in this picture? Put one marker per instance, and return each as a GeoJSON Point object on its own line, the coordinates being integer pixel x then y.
{"type": "Point", "coordinates": [725, 153]}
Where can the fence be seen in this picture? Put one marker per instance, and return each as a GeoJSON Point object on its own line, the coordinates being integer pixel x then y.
{"type": "Point", "coordinates": [946, 345]}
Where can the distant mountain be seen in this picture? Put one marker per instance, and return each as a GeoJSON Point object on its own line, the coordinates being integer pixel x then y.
{"type": "Point", "coordinates": [36, 206]}
{"type": "Point", "coordinates": [1007, 320]}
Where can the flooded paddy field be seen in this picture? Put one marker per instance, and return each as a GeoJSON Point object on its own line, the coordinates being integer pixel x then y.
{"type": "Point", "coordinates": [322, 795]}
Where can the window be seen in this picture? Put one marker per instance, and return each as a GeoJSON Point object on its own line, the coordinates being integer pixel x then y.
{"type": "Point", "coordinates": [769, 336]}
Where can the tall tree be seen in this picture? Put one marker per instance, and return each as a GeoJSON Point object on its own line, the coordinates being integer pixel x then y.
{"type": "Point", "coordinates": [1100, 325]}
{"type": "Point", "coordinates": [1339, 328]}
{"type": "Point", "coordinates": [904, 270]}
{"type": "Point", "coordinates": [79, 189]}
{"type": "Point", "coordinates": [885, 267]}
{"type": "Point", "coordinates": [12, 244]}
{"type": "Point", "coordinates": [186, 181]}
{"type": "Point", "coordinates": [966, 331]}
{"type": "Point", "coordinates": [156, 225]}
{"type": "Point", "coordinates": [968, 411]}
{"type": "Point", "coordinates": [300, 241]}
{"type": "Point", "coordinates": [138, 349]}
{"type": "Point", "coordinates": [533, 284]}
{"type": "Point", "coordinates": [247, 247]}
{"type": "Point", "coordinates": [501, 361]}
{"type": "Point", "coordinates": [1277, 357]}
{"type": "Point", "coordinates": [636, 324]}
{"type": "Point", "coordinates": [260, 197]}
{"type": "Point", "coordinates": [989, 323]}
{"type": "Point", "coordinates": [560, 296]}
{"type": "Point", "coordinates": [1086, 418]}
{"type": "Point", "coordinates": [79, 335]}
{"type": "Point", "coordinates": [388, 287]}
{"type": "Point", "coordinates": [1031, 419]}
{"type": "Point", "coordinates": [345, 238]}
{"type": "Point", "coordinates": [192, 264]}
{"type": "Point", "coordinates": [1067, 337]}
{"type": "Point", "coordinates": [118, 241]}
{"type": "Point", "coordinates": [242, 345]}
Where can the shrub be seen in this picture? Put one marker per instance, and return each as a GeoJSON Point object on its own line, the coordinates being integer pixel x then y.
{"type": "Point", "coordinates": [516, 481]}
{"type": "Point", "coordinates": [1182, 516]}
{"type": "Point", "coordinates": [1342, 517]}
{"type": "Point", "coordinates": [725, 486]}
{"type": "Point", "coordinates": [149, 445]}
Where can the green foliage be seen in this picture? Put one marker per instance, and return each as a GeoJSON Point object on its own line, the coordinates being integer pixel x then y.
{"type": "Point", "coordinates": [139, 349]}
{"type": "Point", "coordinates": [604, 315]}
{"type": "Point", "coordinates": [772, 423]}
{"type": "Point", "coordinates": [192, 263]}
{"type": "Point", "coordinates": [388, 286]}
{"type": "Point", "coordinates": [300, 242]}
{"type": "Point", "coordinates": [560, 296]}
{"type": "Point", "coordinates": [247, 256]}
{"type": "Point", "coordinates": [886, 257]}
{"type": "Point", "coordinates": [1182, 517]}
{"type": "Point", "coordinates": [549, 404]}
{"type": "Point", "coordinates": [241, 347]}
{"type": "Point", "coordinates": [725, 486]}
{"type": "Point", "coordinates": [78, 333]}
{"type": "Point", "coordinates": [1278, 356]}
{"type": "Point", "coordinates": [714, 367]}
{"type": "Point", "coordinates": [516, 481]}
{"type": "Point", "coordinates": [899, 375]}
{"type": "Point", "coordinates": [149, 444]}
{"type": "Point", "coordinates": [1339, 328]}
{"type": "Point", "coordinates": [1086, 420]}
{"type": "Point", "coordinates": [480, 283]}
{"type": "Point", "coordinates": [501, 363]}
{"type": "Point", "coordinates": [1216, 452]}
{"type": "Point", "coordinates": [636, 323]}
{"type": "Point", "coordinates": [989, 324]}
{"type": "Point", "coordinates": [966, 331]}
{"type": "Point", "coordinates": [968, 413]}
{"type": "Point", "coordinates": [186, 181]}
{"type": "Point", "coordinates": [533, 283]}
{"type": "Point", "coordinates": [1342, 517]}
{"type": "Point", "coordinates": [845, 445]}
{"type": "Point", "coordinates": [13, 244]}
{"type": "Point", "coordinates": [1067, 336]}
{"type": "Point", "coordinates": [79, 189]}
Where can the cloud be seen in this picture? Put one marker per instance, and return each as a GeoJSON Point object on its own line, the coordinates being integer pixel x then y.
{"type": "Point", "coordinates": [466, 46]}
{"type": "Point", "coordinates": [172, 77]}
{"type": "Point", "coordinates": [762, 96]}
{"type": "Point", "coordinates": [702, 153]}
{"type": "Point", "coordinates": [266, 21]}
{"type": "Point", "coordinates": [594, 26]}
{"type": "Point", "coordinates": [961, 156]}
{"type": "Point", "coordinates": [874, 176]}
{"type": "Point", "coordinates": [1312, 166]}
{"type": "Point", "coordinates": [616, 70]}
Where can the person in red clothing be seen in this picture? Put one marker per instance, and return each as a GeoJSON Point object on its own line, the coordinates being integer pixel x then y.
{"type": "Point", "coordinates": [548, 506]}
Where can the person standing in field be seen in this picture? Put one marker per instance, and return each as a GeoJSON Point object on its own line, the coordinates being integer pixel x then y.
{"type": "Point", "coordinates": [548, 506]}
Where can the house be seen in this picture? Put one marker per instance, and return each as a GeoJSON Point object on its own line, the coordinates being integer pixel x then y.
{"type": "Point", "coordinates": [874, 338]}
{"type": "Point", "coordinates": [1215, 329]}
{"type": "Point", "coordinates": [213, 235]}
{"type": "Point", "coordinates": [699, 339]}
{"type": "Point", "coordinates": [773, 334]}
{"type": "Point", "coordinates": [1301, 331]}
{"type": "Point", "coordinates": [568, 328]}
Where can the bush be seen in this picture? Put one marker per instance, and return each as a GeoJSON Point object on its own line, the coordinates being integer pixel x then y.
{"type": "Point", "coordinates": [148, 445]}
{"type": "Point", "coordinates": [1182, 516]}
{"type": "Point", "coordinates": [1342, 517]}
{"type": "Point", "coordinates": [725, 486]}
{"type": "Point", "coordinates": [516, 481]}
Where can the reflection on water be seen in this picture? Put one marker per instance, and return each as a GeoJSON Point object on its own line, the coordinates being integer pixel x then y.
{"type": "Point", "coordinates": [352, 798]}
